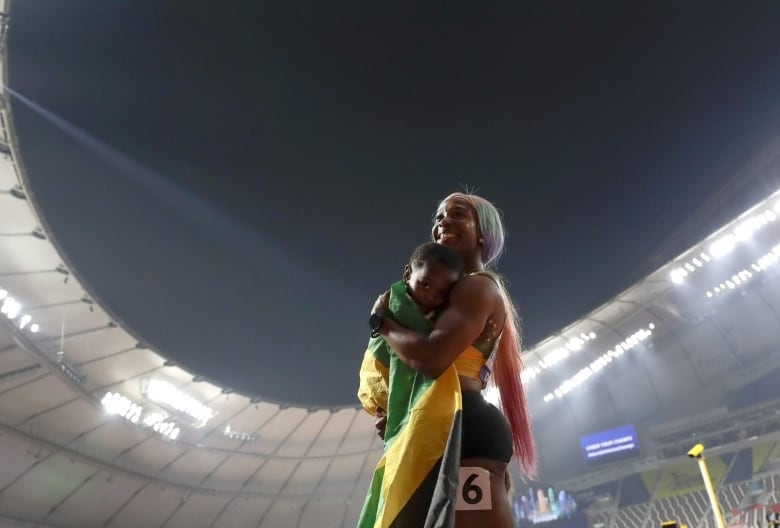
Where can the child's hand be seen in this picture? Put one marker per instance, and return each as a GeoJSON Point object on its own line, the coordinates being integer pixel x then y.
{"type": "Point", "coordinates": [382, 303]}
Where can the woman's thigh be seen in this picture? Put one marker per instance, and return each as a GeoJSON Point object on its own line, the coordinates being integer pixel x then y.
{"type": "Point", "coordinates": [499, 515]}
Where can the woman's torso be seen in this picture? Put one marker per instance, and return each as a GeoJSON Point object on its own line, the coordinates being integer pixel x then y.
{"type": "Point", "coordinates": [487, 439]}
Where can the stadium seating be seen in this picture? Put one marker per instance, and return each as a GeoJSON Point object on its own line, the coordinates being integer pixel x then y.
{"type": "Point", "coordinates": [746, 483]}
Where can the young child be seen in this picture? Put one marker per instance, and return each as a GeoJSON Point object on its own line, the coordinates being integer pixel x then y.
{"type": "Point", "coordinates": [432, 271]}
{"type": "Point", "coordinates": [428, 278]}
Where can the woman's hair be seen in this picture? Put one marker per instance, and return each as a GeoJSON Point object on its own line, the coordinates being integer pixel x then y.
{"type": "Point", "coordinates": [491, 228]}
{"type": "Point", "coordinates": [508, 364]}
{"type": "Point", "coordinates": [507, 368]}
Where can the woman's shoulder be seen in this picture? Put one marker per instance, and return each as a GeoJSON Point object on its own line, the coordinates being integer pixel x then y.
{"type": "Point", "coordinates": [482, 284]}
{"type": "Point", "coordinates": [489, 274]}
{"type": "Point", "coordinates": [485, 279]}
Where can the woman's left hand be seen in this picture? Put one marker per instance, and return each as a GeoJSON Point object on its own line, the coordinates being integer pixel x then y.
{"type": "Point", "coordinates": [382, 303]}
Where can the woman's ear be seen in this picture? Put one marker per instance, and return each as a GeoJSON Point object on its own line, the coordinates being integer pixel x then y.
{"type": "Point", "coordinates": [407, 273]}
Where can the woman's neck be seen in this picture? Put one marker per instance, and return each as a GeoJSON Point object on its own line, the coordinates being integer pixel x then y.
{"type": "Point", "coordinates": [472, 264]}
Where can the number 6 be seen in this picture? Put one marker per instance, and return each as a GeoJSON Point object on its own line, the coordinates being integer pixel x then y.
{"type": "Point", "coordinates": [473, 489]}
{"type": "Point", "coordinates": [471, 494]}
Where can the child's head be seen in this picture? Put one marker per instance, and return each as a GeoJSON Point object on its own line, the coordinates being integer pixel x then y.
{"type": "Point", "coordinates": [432, 271]}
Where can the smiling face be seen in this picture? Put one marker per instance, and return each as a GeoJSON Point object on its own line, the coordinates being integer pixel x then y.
{"type": "Point", "coordinates": [456, 225]}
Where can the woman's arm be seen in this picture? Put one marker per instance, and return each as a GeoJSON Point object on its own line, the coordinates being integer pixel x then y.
{"type": "Point", "coordinates": [472, 301]}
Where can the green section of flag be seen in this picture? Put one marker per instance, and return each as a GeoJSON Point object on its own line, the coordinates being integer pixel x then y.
{"type": "Point", "coordinates": [406, 385]}
{"type": "Point", "coordinates": [405, 389]}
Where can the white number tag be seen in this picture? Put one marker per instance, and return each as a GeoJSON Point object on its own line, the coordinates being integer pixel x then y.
{"type": "Point", "coordinates": [473, 489]}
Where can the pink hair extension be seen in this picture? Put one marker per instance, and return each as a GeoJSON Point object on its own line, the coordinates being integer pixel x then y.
{"type": "Point", "coordinates": [506, 376]}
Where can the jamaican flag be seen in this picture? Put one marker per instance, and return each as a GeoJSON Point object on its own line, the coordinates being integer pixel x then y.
{"type": "Point", "coordinates": [415, 482]}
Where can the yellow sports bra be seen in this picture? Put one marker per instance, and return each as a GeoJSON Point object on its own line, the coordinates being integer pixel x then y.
{"type": "Point", "coordinates": [473, 364]}
{"type": "Point", "coordinates": [469, 363]}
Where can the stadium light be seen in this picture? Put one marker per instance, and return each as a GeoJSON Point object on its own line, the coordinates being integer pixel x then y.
{"type": "Point", "coordinates": [169, 396]}
{"type": "Point", "coordinates": [600, 362]}
{"type": "Point", "coordinates": [12, 309]}
{"type": "Point", "coordinates": [574, 344]}
{"type": "Point", "coordinates": [740, 230]}
{"type": "Point", "coordinates": [115, 403]}
{"type": "Point", "coordinates": [725, 244]}
{"type": "Point", "coordinates": [745, 275]}
{"type": "Point", "coordinates": [239, 435]}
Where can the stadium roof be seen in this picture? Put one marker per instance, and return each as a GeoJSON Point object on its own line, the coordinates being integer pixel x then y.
{"type": "Point", "coordinates": [98, 429]}
{"type": "Point", "coordinates": [678, 343]}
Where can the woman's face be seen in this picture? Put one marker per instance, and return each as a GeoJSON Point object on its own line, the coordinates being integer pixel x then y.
{"type": "Point", "coordinates": [456, 225]}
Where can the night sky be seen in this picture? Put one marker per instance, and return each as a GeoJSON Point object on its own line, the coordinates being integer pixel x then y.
{"type": "Point", "coordinates": [236, 182]}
